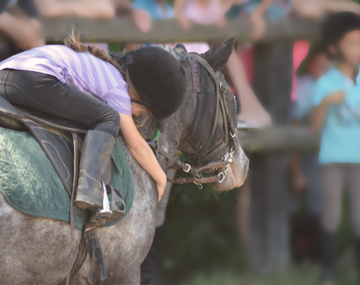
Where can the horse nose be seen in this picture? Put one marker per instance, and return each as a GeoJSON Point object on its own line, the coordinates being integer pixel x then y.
{"type": "Point", "coordinates": [246, 166]}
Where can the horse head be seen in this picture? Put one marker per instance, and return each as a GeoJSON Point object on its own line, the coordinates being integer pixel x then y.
{"type": "Point", "coordinates": [204, 127]}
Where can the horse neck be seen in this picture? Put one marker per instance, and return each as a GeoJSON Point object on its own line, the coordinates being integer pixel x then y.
{"type": "Point", "coordinates": [176, 127]}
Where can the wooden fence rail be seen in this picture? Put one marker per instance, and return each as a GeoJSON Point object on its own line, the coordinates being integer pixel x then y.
{"type": "Point", "coordinates": [275, 139]}
{"type": "Point", "coordinates": [124, 30]}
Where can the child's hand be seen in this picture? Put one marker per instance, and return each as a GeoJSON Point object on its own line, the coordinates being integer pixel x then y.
{"type": "Point", "coordinates": [161, 187]}
{"type": "Point", "coordinates": [184, 21]}
{"type": "Point", "coordinates": [221, 23]}
{"type": "Point", "coordinates": [335, 98]}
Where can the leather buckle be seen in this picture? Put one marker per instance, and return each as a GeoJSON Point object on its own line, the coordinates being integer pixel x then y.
{"type": "Point", "coordinates": [188, 169]}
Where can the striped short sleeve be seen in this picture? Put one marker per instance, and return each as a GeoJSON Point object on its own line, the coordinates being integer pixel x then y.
{"type": "Point", "coordinates": [119, 99]}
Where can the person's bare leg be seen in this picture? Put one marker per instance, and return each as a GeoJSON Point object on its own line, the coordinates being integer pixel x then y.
{"type": "Point", "coordinates": [310, 9]}
{"type": "Point", "coordinates": [100, 9]}
{"type": "Point", "coordinates": [314, 9]}
{"type": "Point", "coordinates": [27, 33]}
{"type": "Point", "coordinates": [251, 111]}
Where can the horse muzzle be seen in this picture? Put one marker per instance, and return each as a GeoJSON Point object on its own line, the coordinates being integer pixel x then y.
{"type": "Point", "coordinates": [236, 172]}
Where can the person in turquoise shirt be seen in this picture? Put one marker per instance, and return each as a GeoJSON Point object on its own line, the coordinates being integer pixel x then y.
{"type": "Point", "coordinates": [336, 112]}
{"type": "Point", "coordinates": [158, 9]}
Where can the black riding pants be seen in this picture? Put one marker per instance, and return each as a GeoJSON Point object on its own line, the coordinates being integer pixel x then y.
{"type": "Point", "coordinates": [47, 94]}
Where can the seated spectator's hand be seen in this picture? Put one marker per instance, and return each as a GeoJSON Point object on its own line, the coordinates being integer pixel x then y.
{"type": "Point", "coordinates": [259, 26]}
{"type": "Point", "coordinates": [335, 98]}
{"type": "Point", "coordinates": [184, 21]}
{"type": "Point", "coordinates": [222, 23]}
{"type": "Point", "coordinates": [143, 20]}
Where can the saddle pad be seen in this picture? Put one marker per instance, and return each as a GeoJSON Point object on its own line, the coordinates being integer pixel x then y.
{"type": "Point", "coordinates": [29, 183]}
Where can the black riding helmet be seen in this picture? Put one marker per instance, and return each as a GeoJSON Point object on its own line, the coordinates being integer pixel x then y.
{"type": "Point", "coordinates": [159, 78]}
{"type": "Point", "coordinates": [335, 27]}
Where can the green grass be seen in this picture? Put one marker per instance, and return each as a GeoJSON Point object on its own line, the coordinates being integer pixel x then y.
{"type": "Point", "coordinates": [307, 274]}
{"type": "Point", "coordinates": [215, 279]}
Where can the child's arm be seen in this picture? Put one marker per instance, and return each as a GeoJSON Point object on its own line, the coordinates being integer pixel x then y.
{"type": "Point", "coordinates": [142, 152]}
{"type": "Point", "coordinates": [319, 112]}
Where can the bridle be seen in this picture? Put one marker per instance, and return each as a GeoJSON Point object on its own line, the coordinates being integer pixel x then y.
{"type": "Point", "coordinates": [205, 153]}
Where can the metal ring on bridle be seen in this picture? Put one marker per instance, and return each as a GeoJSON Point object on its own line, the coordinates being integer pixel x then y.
{"type": "Point", "coordinates": [199, 185]}
{"type": "Point", "coordinates": [222, 175]}
{"type": "Point", "coordinates": [188, 169]}
{"type": "Point", "coordinates": [222, 88]}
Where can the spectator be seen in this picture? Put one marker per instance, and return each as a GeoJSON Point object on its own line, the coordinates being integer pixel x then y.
{"type": "Point", "coordinates": [146, 10]}
{"type": "Point", "coordinates": [313, 66]}
{"type": "Point", "coordinates": [304, 166]}
{"type": "Point", "coordinates": [24, 28]}
{"type": "Point", "coordinates": [158, 9]}
{"type": "Point", "coordinates": [208, 12]}
{"type": "Point", "coordinates": [269, 246]}
{"type": "Point", "coordinates": [101, 9]}
{"type": "Point", "coordinates": [337, 113]}
{"type": "Point", "coordinates": [315, 9]}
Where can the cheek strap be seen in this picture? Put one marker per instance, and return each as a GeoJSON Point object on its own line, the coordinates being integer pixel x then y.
{"type": "Point", "coordinates": [140, 102]}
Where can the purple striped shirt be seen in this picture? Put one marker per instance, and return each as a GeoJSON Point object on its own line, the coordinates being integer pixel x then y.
{"type": "Point", "coordinates": [82, 71]}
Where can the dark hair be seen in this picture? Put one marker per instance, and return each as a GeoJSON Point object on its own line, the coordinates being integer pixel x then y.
{"type": "Point", "coordinates": [315, 49]}
{"type": "Point", "coordinates": [335, 27]}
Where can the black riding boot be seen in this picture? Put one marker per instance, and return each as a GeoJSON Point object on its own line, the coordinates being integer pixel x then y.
{"type": "Point", "coordinates": [151, 260]}
{"type": "Point", "coordinates": [328, 257]}
{"type": "Point", "coordinates": [95, 157]}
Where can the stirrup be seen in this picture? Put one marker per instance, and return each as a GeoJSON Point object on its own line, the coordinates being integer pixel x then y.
{"type": "Point", "coordinates": [106, 211]}
{"type": "Point", "coordinates": [111, 211]}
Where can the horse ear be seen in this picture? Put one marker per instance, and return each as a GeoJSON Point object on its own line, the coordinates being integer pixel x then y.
{"type": "Point", "coordinates": [181, 46]}
{"type": "Point", "coordinates": [218, 56]}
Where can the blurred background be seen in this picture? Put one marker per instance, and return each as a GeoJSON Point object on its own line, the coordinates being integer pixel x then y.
{"type": "Point", "coordinates": [269, 230]}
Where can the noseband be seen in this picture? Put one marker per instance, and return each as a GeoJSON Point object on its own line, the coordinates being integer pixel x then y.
{"type": "Point", "coordinates": [207, 151]}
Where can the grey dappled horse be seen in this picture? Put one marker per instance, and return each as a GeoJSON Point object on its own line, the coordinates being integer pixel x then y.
{"type": "Point", "coordinates": [36, 250]}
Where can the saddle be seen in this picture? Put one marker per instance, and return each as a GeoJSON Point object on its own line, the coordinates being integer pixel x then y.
{"type": "Point", "coordinates": [57, 137]}
{"type": "Point", "coordinates": [54, 136]}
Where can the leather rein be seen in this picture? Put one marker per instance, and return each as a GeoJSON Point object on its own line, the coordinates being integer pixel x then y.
{"type": "Point", "coordinates": [196, 173]}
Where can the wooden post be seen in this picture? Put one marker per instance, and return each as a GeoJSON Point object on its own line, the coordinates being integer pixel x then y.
{"type": "Point", "coordinates": [269, 230]}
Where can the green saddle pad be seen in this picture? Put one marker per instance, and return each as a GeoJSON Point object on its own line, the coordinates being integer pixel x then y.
{"type": "Point", "coordinates": [30, 184]}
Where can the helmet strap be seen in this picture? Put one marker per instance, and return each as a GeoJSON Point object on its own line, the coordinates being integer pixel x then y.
{"type": "Point", "coordinates": [140, 102]}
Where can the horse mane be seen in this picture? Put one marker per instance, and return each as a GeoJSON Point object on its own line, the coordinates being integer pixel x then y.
{"type": "Point", "coordinates": [178, 53]}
